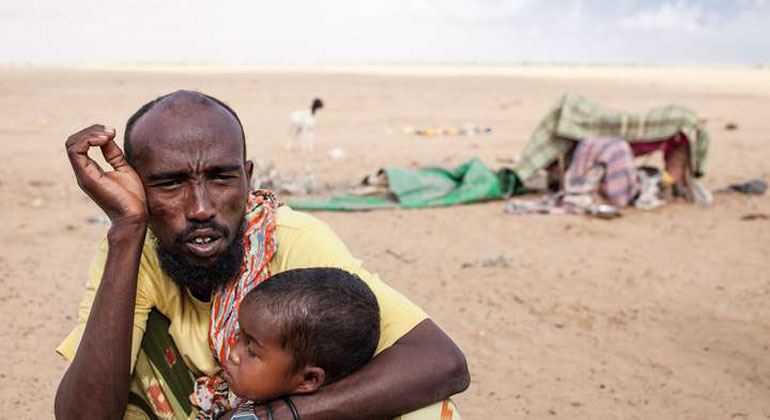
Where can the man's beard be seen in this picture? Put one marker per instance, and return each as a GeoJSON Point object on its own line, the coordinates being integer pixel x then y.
{"type": "Point", "coordinates": [203, 279]}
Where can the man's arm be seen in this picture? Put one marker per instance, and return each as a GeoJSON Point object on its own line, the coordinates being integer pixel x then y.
{"type": "Point", "coordinates": [96, 383]}
{"type": "Point", "coordinates": [423, 367]}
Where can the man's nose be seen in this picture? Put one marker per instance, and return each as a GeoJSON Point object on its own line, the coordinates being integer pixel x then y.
{"type": "Point", "coordinates": [199, 206]}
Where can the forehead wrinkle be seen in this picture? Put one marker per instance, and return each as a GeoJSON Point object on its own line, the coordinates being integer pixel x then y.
{"type": "Point", "coordinates": [185, 103]}
{"type": "Point", "coordinates": [197, 158]}
{"type": "Point", "coordinates": [203, 131]}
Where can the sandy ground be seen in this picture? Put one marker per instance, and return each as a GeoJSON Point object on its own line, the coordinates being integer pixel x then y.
{"type": "Point", "coordinates": [663, 314]}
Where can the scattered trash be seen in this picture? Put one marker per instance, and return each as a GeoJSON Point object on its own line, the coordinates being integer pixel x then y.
{"type": "Point", "coordinates": [457, 130]}
{"type": "Point", "coordinates": [500, 261]}
{"type": "Point", "coordinates": [38, 183]}
{"type": "Point", "coordinates": [755, 186]}
{"type": "Point", "coordinates": [604, 211]}
{"type": "Point", "coordinates": [560, 203]}
{"type": "Point", "coordinates": [544, 205]}
{"type": "Point", "coordinates": [337, 153]}
{"type": "Point", "coordinates": [399, 256]}
{"type": "Point", "coordinates": [755, 216]}
{"type": "Point", "coordinates": [649, 180]}
{"type": "Point", "coordinates": [266, 176]}
{"type": "Point", "coordinates": [101, 219]}
{"type": "Point", "coordinates": [731, 126]}
{"type": "Point", "coordinates": [701, 194]}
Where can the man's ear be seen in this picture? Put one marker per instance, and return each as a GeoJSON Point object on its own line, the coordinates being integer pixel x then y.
{"type": "Point", "coordinates": [312, 379]}
{"type": "Point", "coordinates": [249, 167]}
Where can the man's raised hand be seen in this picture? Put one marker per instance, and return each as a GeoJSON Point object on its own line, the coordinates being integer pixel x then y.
{"type": "Point", "coordinates": [120, 192]}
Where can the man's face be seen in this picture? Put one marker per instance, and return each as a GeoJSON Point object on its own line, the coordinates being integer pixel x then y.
{"type": "Point", "coordinates": [190, 159]}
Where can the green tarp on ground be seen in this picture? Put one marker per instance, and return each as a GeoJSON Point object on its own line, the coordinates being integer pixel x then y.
{"type": "Point", "coordinates": [470, 182]}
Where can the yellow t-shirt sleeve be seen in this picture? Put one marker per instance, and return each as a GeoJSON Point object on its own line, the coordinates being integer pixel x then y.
{"type": "Point", "coordinates": [310, 243]}
{"type": "Point", "coordinates": [69, 346]}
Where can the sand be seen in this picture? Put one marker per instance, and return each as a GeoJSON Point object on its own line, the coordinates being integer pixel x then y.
{"type": "Point", "coordinates": [660, 314]}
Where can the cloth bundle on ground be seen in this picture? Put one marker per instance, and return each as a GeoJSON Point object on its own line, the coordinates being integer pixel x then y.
{"type": "Point", "coordinates": [599, 167]}
{"type": "Point", "coordinates": [469, 182]}
{"type": "Point", "coordinates": [575, 118]}
{"type": "Point", "coordinates": [604, 166]}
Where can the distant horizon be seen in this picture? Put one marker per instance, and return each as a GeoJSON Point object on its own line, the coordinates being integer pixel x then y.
{"type": "Point", "coordinates": [394, 63]}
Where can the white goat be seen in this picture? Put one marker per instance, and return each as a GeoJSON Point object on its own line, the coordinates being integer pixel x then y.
{"type": "Point", "coordinates": [303, 124]}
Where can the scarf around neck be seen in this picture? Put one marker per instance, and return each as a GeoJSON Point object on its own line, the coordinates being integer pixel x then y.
{"type": "Point", "coordinates": [259, 248]}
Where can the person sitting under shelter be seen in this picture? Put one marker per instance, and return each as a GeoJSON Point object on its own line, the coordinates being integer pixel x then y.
{"type": "Point", "coordinates": [674, 130]}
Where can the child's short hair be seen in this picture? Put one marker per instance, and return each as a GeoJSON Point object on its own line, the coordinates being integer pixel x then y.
{"type": "Point", "coordinates": [327, 318]}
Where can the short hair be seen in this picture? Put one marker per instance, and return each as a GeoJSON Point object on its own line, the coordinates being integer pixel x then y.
{"type": "Point", "coordinates": [326, 317]}
{"type": "Point", "coordinates": [202, 98]}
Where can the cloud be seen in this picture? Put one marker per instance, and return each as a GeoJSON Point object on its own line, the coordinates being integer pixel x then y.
{"type": "Point", "coordinates": [669, 15]}
{"type": "Point", "coordinates": [333, 31]}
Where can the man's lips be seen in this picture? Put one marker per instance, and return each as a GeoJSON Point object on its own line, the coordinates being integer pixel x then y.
{"type": "Point", "coordinates": [203, 243]}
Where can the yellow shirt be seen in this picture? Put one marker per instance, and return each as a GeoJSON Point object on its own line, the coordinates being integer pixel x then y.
{"type": "Point", "coordinates": [302, 241]}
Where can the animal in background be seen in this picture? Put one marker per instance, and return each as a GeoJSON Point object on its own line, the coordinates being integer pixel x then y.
{"type": "Point", "coordinates": [303, 124]}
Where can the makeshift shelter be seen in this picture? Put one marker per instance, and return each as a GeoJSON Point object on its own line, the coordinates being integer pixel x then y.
{"type": "Point", "coordinates": [575, 118]}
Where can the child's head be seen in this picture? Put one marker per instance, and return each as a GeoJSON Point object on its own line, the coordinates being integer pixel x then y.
{"type": "Point", "coordinates": [301, 329]}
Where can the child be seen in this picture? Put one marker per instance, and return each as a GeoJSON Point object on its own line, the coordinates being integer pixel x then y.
{"type": "Point", "coordinates": [300, 330]}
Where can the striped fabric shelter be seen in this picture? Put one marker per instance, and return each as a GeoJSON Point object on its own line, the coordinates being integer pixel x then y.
{"type": "Point", "coordinates": [575, 118]}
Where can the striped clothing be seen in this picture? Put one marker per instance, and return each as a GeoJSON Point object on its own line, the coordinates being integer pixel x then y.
{"type": "Point", "coordinates": [575, 118]}
{"type": "Point", "coordinates": [604, 165]}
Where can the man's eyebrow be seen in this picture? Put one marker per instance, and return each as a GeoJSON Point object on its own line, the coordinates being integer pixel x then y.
{"type": "Point", "coordinates": [167, 175]}
{"type": "Point", "coordinates": [184, 173]}
{"type": "Point", "coordinates": [225, 168]}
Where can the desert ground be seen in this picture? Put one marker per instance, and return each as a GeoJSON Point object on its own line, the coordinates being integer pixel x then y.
{"type": "Point", "coordinates": [656, 315]}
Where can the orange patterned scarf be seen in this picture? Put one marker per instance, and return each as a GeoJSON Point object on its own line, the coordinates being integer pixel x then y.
{"type": "Point", "coordinates": [260, 245]}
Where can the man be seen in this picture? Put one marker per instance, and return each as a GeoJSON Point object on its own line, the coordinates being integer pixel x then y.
{"type": "Point", "coordinates": [185, 178]}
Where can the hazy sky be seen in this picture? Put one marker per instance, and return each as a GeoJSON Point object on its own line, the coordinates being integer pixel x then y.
{"type": "Point", "coordinates": [363, 31]}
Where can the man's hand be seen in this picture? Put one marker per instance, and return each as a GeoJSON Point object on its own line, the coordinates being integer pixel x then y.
{"type": "Point", "coordinates": [96, 384]}
{"type": "Point", "coordinates": [120, 192]}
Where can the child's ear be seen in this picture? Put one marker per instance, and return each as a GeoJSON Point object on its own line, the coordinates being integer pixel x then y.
{"type": "Point", "coordinates": [312, 379]}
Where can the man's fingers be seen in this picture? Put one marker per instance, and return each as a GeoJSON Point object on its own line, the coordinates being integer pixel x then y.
{"type": "Point", "coordinates": [81, 146]}
{"type": "Point", "coordinates": [114, 156]}
{"type": "Point", "coordinates": [80, 143]}
{"type": "Point", "coordinates": [86, 168]}
{"type": "Point", "coordinates": [96, 129]}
